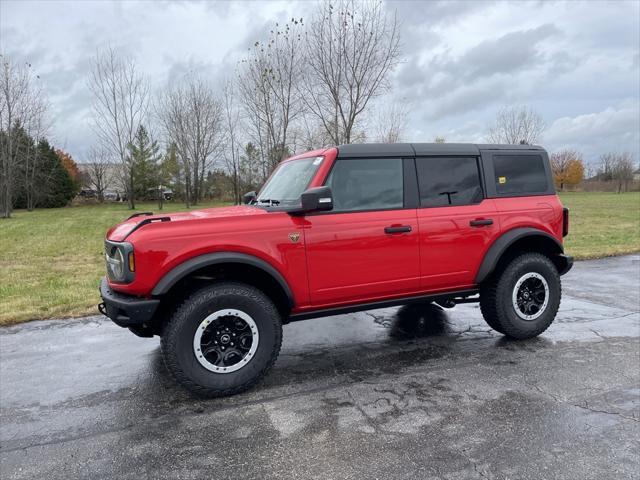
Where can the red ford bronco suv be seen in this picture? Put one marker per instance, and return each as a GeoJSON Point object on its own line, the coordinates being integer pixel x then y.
{"type": "Point", "coordinates": [348, 228]}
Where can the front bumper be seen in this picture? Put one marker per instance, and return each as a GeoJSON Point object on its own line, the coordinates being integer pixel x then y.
{"type": "Point", "coordinates": [565, 262]}
{"type": "Point", "coordinates": [125, 310]}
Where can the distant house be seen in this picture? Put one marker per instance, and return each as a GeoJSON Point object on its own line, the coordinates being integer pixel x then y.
{"type": "Point", "coordinates": [636, 175]}
{"type": "Point", "coordinates": [113, 187]}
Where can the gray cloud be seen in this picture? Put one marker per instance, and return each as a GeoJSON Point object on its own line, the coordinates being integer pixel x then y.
{"type": "Point", "coordinates": [435, 13]}
{"type": "Point", "coordinates": [613, 129]}
{"type": "Point", "coordinates": [508, 53]}
{"type": "Point", "coordinates": [468, 98]}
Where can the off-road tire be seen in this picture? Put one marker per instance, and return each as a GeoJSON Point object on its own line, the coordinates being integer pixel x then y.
{"type": "Point", "coordinates": [178, 336]}
{"type": "Point", "coordinates": [496, 297]}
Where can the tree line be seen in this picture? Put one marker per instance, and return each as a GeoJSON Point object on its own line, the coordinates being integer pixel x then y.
{"type": "Point", "coordinates": [32, 172]}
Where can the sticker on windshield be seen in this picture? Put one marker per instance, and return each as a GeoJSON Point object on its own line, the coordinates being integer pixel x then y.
{"type": "Point", "coordinates": [317, 161]}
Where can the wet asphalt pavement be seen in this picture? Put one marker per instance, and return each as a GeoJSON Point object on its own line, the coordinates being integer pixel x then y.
{"type": "Point", "coordinates": [415, 392]}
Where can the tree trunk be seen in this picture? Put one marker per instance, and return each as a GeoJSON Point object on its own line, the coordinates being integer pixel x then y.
{"type": "Point", "coordinates": [187, 190]}
{"type": "Point", "coordinates": [132, 203]}
{"type": "Point", "coordinates": [30, 202]}
{"type": "Point", "coordinates": [6, 199]}
{"type": "Point", "coordinates": [236, 188]}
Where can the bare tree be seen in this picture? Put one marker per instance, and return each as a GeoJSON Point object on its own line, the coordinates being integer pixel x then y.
{"type": "Point", "coordinates": [391, 122]}
{"type": "Point", "coordinates": [37, 128]}
{"type": "Point", "coordinates": [310, 135]}
{"type": "Point", "coordinates": [192, 119]}
{"type": "Point", "coordinates": [351, 47]}
{"type": "Point", "coordinates": [620, 168]}
{"type": "Point", "coordinates": [232, 143]}
{"type": "Point", "coordinates": [268, 84]}
{"type": "Point", "coordinates": [516, 125]}
{"type": "Point", "coordinates": [99, 171]}
{"type": "Point", "coordinates": [22, 110]}
{"type": "Point", "coordinates": [121, 97]}
{"type": "Point", "coordinates": [607, 165]}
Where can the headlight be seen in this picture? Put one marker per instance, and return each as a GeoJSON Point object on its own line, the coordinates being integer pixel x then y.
{"type": "Point", "coordinates": [115, 264]}
{"type": "Point", "coordinates": [119, 259]}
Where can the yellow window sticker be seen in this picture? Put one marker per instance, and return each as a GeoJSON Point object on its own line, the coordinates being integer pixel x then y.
{"type": "Point", "coordinates": [502, 180]}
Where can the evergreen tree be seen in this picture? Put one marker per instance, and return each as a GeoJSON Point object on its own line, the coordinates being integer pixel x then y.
{"type": "Point", "coordinates": [168, 173]}
{"type": "Point", "coordinates": [42, 180]}
{"type": "Point", "coordinates": [58, 185]}
{"type": "Point", "coordinates": [250, 168]}
{"type": "Point", "coordinates": [143, 153]}
{"type": "Point", "coordinates": [23, 147]}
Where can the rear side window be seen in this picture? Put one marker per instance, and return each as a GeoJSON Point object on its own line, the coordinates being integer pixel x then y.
{"type": "Point", "coordinates": [519, 174]}
{"type": "Point", "coordinates": [448, 181]}
{"type": "Point", "coordinates": [363, 184]}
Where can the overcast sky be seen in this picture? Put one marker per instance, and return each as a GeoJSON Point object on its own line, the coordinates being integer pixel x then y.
{"type": "Point", "coordinates": [575, 63]}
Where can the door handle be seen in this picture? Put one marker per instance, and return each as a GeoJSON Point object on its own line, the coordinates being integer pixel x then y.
{"type": "Point", "coordinates": [398, 229]}
{"type": "Point", "coordinates": [481, 222]}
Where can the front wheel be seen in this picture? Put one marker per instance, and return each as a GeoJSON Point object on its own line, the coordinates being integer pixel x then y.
{"type": "Point", "coordinates": [222, 340]}
{"type": "Point", "coordinates": [522, 301]}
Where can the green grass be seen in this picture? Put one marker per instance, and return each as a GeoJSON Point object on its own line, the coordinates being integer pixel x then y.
{"type": "Point", "coordinates": [51, 260]}
{"type": "Point", "coordinates": [602, 224]}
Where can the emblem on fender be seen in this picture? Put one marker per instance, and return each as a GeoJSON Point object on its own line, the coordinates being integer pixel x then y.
{"type": "Point", "coordinates": [294, 237]}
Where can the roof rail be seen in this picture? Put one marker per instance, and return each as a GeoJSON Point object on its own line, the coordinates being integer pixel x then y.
{"type": "Point", "coordinates": [139, 214]}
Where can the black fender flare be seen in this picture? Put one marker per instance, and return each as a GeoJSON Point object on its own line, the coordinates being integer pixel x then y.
{"type": "Point", "coordinates": [492, 257]}
{"type": "Point", "coordinates": [196, 263]}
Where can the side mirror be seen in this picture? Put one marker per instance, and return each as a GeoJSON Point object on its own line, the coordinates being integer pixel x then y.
{"type": "Point", "coordinates": [316, 199]}
{"type": "Point", "coordinates": [248, 198]}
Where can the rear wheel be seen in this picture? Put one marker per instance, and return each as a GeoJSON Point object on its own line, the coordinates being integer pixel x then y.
{"type": "Point", "coordinates": [522, 301]}
{"type": "Point", "coordinates": [222, 340]}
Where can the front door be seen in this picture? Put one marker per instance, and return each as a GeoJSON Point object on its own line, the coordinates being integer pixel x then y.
{"type": "Point", "coordinates": [366, 248]}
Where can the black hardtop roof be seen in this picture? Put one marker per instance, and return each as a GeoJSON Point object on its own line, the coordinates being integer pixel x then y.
{"type": "Point", "coordinates": [411, 149]}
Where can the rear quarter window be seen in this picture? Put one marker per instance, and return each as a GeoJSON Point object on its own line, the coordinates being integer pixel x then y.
{"type": "Point", "coordinates": [519, 174]}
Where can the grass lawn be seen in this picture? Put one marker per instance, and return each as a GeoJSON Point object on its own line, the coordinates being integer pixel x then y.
{"type": "Point", "coordinates": [51, 260]}
{"type": "Point", "coordinates": [602, 224]}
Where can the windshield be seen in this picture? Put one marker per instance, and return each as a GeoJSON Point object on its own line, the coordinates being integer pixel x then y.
{"type": "Point", "coordinates": [289, 180]}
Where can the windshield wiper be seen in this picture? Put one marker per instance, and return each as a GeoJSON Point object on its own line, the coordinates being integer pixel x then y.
{"type": "Point", "coordinates": [269, 201]}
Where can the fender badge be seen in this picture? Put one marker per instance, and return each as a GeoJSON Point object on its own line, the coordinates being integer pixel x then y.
{"type": "Point", "coordinates": [294, 237]}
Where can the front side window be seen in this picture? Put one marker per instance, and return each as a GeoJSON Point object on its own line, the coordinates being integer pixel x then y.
{"type": "Point", "coordinates": [367, 184]}
{"type": "Point", "coordinates": [448, 181]}
{"type": "Point", "coordinates": [519, 174]}
{"type": "Point", "coordinates": [289, 180]}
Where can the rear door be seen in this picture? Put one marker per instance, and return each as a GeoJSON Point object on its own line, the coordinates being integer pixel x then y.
{"type": "Point", "coordinates": [457, 223]}
{"type": "Point", "coordinates": [366, 248]}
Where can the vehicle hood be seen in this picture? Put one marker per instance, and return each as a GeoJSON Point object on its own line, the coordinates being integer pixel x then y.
{"type": "Point", "coordinates": [120, 232]}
